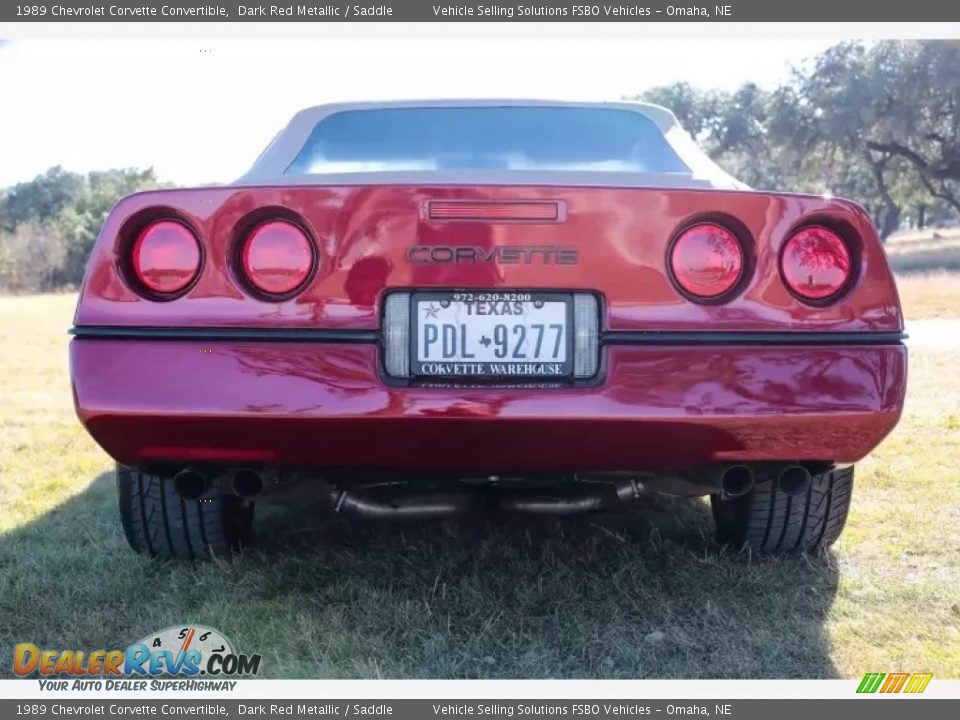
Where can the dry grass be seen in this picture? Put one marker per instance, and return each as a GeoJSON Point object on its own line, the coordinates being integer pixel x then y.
{"type": "Point", "coordinates": [930, 295]}
{"type": "Point", "coordinates": [926, 239]}
{"type": "Point", "coordinates": [924, 251]}
{"type": "Point", "coordinates": [927, 265]}
{"type": "Point", "coordinates": [489, 597]}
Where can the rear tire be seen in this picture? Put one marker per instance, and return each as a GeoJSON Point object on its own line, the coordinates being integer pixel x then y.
{"type": "Point", "coordinates": [770, 521]}
{"type": "Point", "coordinates": [160, 523]}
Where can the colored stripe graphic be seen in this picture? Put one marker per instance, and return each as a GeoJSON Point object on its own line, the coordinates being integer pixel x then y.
{"type": "Point", "coordinates": [892, 683]}
{"type": "Point", "coordinates": [870, 682]}
{"type": "Point", "coordinates": [918, 682]}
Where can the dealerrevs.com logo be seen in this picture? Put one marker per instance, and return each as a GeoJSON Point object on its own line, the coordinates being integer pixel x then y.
{"type": "Point", "coordinates": [175, 658]}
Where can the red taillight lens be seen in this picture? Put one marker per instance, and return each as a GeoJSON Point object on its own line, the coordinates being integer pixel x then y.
{"type": "Point", "coordinates": [706, 260]}
{"type": "Point", "coordinates": [815, 263]}
{"type": "Point", "coordinates": [277, 257]}
{"type": "Point", "coordinates": [166, 257]}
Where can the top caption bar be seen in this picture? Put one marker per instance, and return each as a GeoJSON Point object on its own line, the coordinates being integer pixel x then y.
{"type": "Point", "coordinates": [465, 11]}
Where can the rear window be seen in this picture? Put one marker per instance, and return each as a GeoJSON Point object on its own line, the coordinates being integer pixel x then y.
{"type": "Point", "coordinates": [486, 138]}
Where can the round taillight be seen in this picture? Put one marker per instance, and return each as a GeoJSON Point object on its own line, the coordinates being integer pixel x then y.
{"type": "Point", "coordinates": [706, 260]}
{"type": "Point", "coordinates": [166, 257]}
{"type": "Point", "coordinates": [277, 257]}
{"type": "Point", "coordinates": [815, 263]}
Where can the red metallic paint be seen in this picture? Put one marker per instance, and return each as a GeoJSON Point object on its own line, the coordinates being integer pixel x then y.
{"type": "Point", "coordinates": [326, 404]}
{"type": "Point", "coordinates": [362, 233]}
{"type": "Point", "coordinates": [308, 405]}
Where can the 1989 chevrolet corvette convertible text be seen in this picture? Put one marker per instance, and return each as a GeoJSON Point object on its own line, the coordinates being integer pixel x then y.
{"type": "Point", "coordinates": [415, 309]}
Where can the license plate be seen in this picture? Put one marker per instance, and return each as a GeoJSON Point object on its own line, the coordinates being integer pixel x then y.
{"type": "Point", "coordinates": [492, 334]}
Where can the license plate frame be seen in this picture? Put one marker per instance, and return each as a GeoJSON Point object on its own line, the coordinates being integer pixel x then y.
{"type": "Point", "coordinates": [562, 371]}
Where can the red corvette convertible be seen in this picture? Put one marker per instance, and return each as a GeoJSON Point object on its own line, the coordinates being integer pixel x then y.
{"type": "Point", "coordinates": [418, 309]}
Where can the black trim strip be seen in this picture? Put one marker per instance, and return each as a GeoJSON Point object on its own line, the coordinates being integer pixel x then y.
{"type": "Point", "coordinates": [614, 337]}
{"type": "Point", "coordinates": [670, 337]}
{"type": "Point", "coordinates": [245, 334]}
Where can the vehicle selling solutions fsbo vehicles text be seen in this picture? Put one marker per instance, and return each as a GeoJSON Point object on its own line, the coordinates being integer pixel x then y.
{"type": "Point", "coordinates": [575, 11]}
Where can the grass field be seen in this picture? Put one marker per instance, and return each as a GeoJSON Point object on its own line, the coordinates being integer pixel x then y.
{"type": "Point", "coordinates": [934, 294]}
{"type": "Point", "coordinates": [919, 251]}
{"type": "Point", "coordinates": [927, 264]}
{"type": "Point", "coordinates": [646, 593]}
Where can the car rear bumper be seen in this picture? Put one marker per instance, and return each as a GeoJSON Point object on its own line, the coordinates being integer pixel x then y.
{"type": "Point", "coordinates": [326, 405]}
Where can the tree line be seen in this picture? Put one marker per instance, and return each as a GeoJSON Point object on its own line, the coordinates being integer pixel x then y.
{"type": "Point", "coordinates": [878, 123]}
{"type": "Point", "coordinates": [49, 224]}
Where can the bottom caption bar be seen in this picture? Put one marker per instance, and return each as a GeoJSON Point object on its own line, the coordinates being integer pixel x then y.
{"type": "Point", "coordinates": [786, 709]}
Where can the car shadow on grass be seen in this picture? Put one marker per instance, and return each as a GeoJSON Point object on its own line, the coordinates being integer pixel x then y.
{"type": "Point", "coordinates": [644, 593]}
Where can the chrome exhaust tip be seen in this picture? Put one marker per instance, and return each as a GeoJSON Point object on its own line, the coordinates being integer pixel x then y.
{"type": "Point", "coordinates": [794, 480]}
{"type": "Point", "coordinates": [246, 483]}
{"type": "Point", "coordinates": [191, 484]}
{"type": "Point", "coordinates": [736, 480]}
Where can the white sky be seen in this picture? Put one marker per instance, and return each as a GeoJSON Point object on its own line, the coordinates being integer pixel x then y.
{"type": "Point", "coordinates": [200, 111]}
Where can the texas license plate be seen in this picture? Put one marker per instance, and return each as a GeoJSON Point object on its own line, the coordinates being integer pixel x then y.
{"type": "Point", "coordinates": [492, 334]}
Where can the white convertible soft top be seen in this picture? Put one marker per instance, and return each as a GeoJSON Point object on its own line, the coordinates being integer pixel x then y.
{"type": "Point", "coordinates": [274, 164]}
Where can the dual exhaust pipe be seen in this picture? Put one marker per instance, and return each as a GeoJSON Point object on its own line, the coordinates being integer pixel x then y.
{"type": "Point", "coordinates": [195, 483]}
{"type": "Point", "coordinates": [733, 480]}
{"type": "Point", "coordinates": [437, 505]}
{"type": "Point", "coordinates": [738, 480]}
